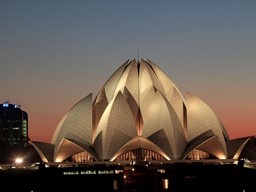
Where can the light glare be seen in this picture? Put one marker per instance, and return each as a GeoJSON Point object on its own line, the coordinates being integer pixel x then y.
{"type": "Point", "coordinates": [18, 160]}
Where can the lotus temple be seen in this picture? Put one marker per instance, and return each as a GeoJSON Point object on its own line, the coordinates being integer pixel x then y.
{"type": "Point", "coordinates": [140, 114]}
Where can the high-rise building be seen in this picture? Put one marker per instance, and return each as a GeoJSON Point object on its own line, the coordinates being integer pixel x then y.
{"type": "Point", "coordinates": [13, 125]}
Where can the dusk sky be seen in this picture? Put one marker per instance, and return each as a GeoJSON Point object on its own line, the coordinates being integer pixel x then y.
{"type": "Point", "coordinates": [54, 53]}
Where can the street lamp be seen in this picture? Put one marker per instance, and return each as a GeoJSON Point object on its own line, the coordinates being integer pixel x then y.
{"type": "Point", "coordinates": [18, 160]}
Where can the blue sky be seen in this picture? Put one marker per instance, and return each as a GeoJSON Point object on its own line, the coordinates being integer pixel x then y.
{"type": "Point", "coordinates": [54, 53]}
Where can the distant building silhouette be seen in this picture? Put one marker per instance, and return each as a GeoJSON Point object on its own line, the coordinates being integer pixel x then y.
{"type": "Point", "coordinates": [13, 125]}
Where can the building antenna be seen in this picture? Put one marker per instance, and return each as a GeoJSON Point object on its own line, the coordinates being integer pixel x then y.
{"type": "Point", "coordinates": [138, 55]}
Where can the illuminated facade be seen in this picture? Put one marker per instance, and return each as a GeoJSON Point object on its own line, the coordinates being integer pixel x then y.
{"type": "Point", "coordinates": [140, 114]}
{"type": "Point", "coordinates": [13, 125]}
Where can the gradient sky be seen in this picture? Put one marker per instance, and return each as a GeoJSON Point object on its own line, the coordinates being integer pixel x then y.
{"type": "Point", "coordinates": [54, 53]}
